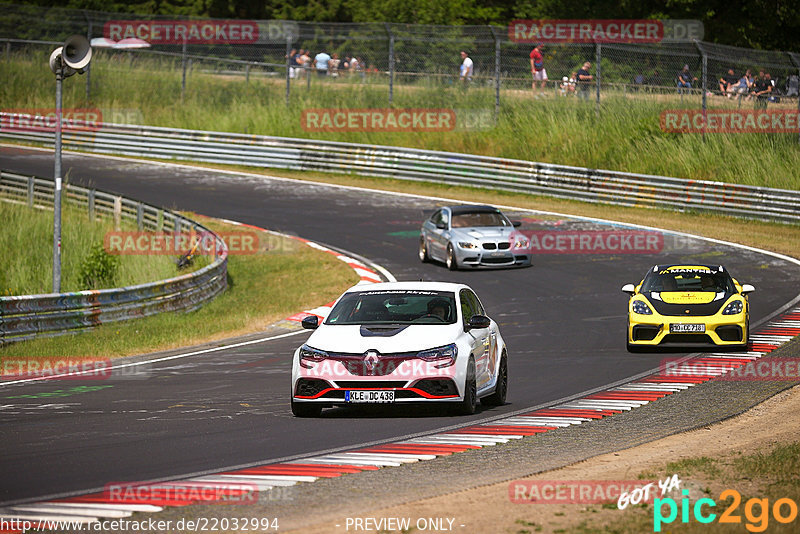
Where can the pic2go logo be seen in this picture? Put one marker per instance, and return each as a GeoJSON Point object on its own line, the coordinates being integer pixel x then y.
{"type": "Point", "coordinates": [756, 511]}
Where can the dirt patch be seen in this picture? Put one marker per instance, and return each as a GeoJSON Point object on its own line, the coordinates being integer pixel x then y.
{"type": "Point", "coordinates": [489, 509]}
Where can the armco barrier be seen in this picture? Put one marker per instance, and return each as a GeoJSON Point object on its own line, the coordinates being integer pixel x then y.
{"type": "Point", "coordinates": [590, 185]}
{"type": "Point", "coordinates": [28, 316]}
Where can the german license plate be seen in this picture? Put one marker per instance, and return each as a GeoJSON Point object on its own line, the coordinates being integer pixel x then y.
{"type": "Point", "coordinates": [687, 327]}
{"type": "Point", "coordinates": [366, 395]}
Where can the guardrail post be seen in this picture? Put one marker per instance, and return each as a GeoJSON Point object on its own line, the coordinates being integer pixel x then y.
{"type": "Point", "coordinates": [31, 183]}
{"type": "Point", "coordinates": [703, 83]}
{"type": "Point", "coordinates": [160, 221]}
{"type": "Point", "coordinates": [391, 61]}
{"type": "Point", "coordinates": [598, 55]}
{"type": "Point", "coordinates": [91, 204]}
{"type": "Point", "coordinates": [183, 66]}
{"type": "Point", "coordinates": [117, 213]}
{"type": "Point", "coordinates": [140, 216]}
{"type": "Point", "coordinates": [247, 73]}
{"type": "Point", "coordinates": [496, 73]}
{"type": "Point", "coordinates": [288, 65]}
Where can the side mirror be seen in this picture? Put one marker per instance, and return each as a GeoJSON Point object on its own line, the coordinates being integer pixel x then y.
{"type": "Point", "coordinates": [516, 224]}
{"type": "Point", "coordinates": [441, 226]}
{"type": "Point", "coordinates": [630, 289]}
{"type": "Point", "coordinates": [477, 322]}
{"type": "Point", "coordinates": [311, 322]}
{"type": "Point", "coordinates": [747, 288]}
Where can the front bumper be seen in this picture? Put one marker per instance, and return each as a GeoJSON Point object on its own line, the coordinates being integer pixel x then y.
{"type": "Point", "coordinates": [492, 259]}
{"type": "Point", "coordinates": [333, 393]}
{"type": "Point", "coordinates": [720, 330]}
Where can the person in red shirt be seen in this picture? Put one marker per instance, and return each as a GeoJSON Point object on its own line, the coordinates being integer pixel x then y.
{"type": "Point", "coordinates": [537, 67]}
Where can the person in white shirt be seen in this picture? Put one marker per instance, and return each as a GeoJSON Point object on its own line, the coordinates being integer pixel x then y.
{"type": "Point", "coordinates": [466, 68]}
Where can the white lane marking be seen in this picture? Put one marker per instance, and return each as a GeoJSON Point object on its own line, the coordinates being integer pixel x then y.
{"type": "Point", "coordinates": [352, 461]}
{"type": "Point", "coordinates": [106, 506]}
{"type": "Point", "coordinates": [243, 480]}
{"type": "Point", "coordinates": [290, 478]}
{"type": "Point", "coordinates": [48, 517]}
{"type": "Point", "coordinates": [371, 457]}
{"type": "Point", "coordinates": [165, 358]}
{"type": "Point", "coordinates": [85, 511]}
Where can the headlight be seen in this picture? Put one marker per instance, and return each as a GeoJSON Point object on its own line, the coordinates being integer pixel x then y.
{"type": "Point", "coordinates": [446, 355]}
{"type": "Point", "coordinates": [522, 242]}
{"type": "Point", "coordinates": [641, 307]}
{"type": "Point", "coordinates": [467, 244]}
{"type": "Point", "coordinates": [310, 354]}
{"type": "Point", "coordinates": [734, 308]}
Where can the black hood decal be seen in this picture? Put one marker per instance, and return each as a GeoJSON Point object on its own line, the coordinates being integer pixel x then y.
{"type": "Point", "coordinates": [679, 310]}
{"type": "Point", "coordinates": [387, 330]}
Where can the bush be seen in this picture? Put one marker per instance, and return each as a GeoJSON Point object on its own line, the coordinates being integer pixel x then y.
{"type": "Point", "coordinates": [99, 269]}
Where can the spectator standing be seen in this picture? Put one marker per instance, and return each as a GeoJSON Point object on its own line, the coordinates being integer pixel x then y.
{"type": "Point", "coordinates": [537, 67]}
{"type": "Point", "coordinates": [685, 79]}
{"type": "Point", "coordinates": [727, 83]}
{"type": "Point", "coordinates": [321, 61]}
{"type": "Point", "coordinates": [584, 80]}
{"type": "Point", "coordinates": [290, 60]}
{"type": "Point", "coordinates": [466, 69]}
{"type": "Point", "coordinates": [762, 89]}
{"type": "Point", "coordinates": [333, 65]}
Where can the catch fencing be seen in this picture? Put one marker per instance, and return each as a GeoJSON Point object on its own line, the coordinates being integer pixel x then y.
{"type": "Point", "coordinates": [405, 55]}
{"type": "Point", "coordinates": [28, 316]}
{"type": "Point", "coordinates": [561, 181]}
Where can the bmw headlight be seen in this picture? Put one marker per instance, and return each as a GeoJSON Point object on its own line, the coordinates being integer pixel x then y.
{"type": "Point", "coordinates": [467, 245]}
{"type": "Point", "coordinates": [445, 355]}
{"type": "Point", "coordinates": [641, 307]}
{"type": "Point", "coordinates": [734, 308]}
{"type": "Point", "coordinates": [310, 354]}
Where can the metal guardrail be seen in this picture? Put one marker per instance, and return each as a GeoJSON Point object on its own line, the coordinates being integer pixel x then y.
{"type": "Point", "coordinates": [28, 316]}
{"type": "Point", "coordinates": [561, 181]}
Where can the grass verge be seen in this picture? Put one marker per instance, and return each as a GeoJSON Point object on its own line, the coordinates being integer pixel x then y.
{"type": "Point", "coordinates": [623, 133]}
{"type": "Point", "coordinates": [262, 288]}
{"type": "Point", "coordinates": [30, 230]}
{"type": "Point", "coordinates": [760, 480]}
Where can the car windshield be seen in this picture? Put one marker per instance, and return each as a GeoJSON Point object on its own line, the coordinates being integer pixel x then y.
{"type": "Point", "coordinates": [483, 218]}
{"type": "Point", "coordinates": [680, 279]}
{"type": "Point", "coordinates": [394, 307]}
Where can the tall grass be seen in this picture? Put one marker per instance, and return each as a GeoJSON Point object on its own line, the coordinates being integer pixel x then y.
{"type": "Point", "coordinates": [26, 242]}
{"type": "Point", "coordinates": [623, 133]}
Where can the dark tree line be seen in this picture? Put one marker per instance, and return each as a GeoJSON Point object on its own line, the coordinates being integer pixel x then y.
{"type": "Point", "coordinates": [760, 24]}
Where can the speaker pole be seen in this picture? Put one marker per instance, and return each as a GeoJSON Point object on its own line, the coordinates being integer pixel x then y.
{"type": "Point", "coordinates": [57, 191]}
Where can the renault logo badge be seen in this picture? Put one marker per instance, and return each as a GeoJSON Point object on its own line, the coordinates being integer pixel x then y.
{"type": "Point", "coordinates": [371, 360]}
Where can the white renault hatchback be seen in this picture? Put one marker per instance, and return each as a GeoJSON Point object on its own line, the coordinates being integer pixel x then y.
{"type": "Point", "coordinates": [401, 342]}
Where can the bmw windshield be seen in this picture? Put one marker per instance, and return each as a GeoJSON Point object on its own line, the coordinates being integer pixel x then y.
{"type": "Point", "coordinates": [476, 219]}
{"type": "Point", "coordinates": [394, 307]}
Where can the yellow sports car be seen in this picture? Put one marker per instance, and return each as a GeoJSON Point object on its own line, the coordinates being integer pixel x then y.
{"type": "Point", "coordinates": [687, 305]}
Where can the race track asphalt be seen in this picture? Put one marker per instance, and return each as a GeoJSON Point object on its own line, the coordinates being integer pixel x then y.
{"type": "Point", "coordinates": [563, 320]}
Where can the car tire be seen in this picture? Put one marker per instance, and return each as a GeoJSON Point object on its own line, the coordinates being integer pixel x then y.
{"type": "Point", "coordinates": [451, 261]}
{"type": "Point", "coordinates": [423, 251]}
{"type": "Point", "coordinates": [470, 401]}
{"type": "Point", "coordinates": [498, 398]}
{"type": "Point", "coordinates": [306, 409]}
